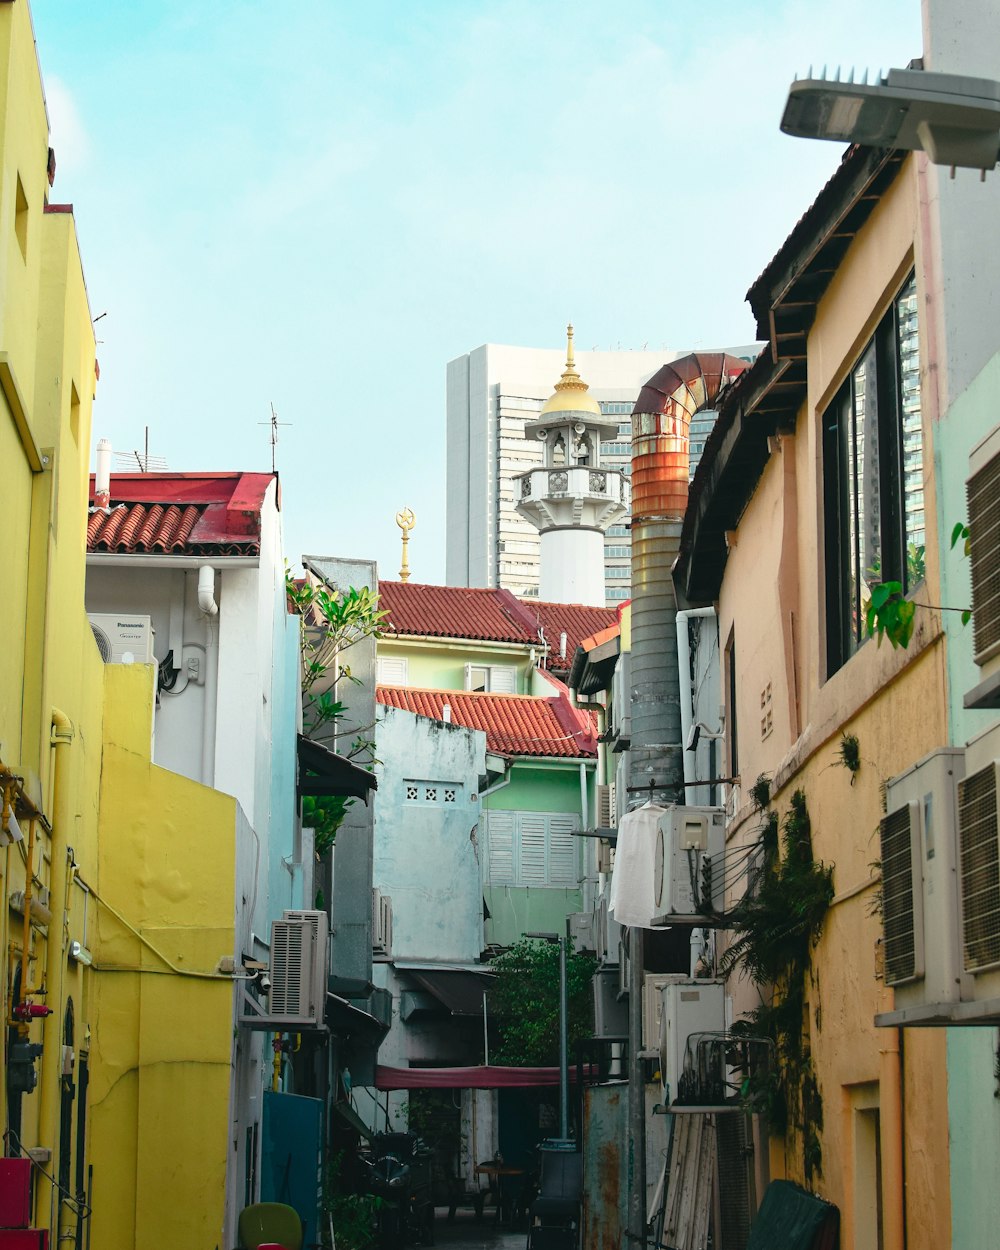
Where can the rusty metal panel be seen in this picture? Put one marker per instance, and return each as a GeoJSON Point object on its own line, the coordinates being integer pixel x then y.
{"type": "Point", "coordinates": [605, 1160]}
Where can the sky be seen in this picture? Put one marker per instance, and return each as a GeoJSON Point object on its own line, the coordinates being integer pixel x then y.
{"type": "Point", "coordinates": [317, 205]}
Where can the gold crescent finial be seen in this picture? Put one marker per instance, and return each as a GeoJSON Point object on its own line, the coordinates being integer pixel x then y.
{"type": "Point", "coordinates": [406, 520]}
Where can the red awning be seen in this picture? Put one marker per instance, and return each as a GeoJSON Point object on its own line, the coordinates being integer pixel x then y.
{"type": "Point", "coordinates": [466, 1078]}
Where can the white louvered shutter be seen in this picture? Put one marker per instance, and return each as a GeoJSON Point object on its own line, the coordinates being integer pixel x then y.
{"type": "Point", "coordinates": [500, 833]}
{"type": "Point", "coordinates": [563, 851]}
{"type": "Point", "coordinates": [503, 679]}
{"type": "Point", "coordinates": [534, 868]}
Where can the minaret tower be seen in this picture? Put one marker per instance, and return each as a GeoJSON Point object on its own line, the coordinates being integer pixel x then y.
{"type": "Point", "coordinates": [571, 499]}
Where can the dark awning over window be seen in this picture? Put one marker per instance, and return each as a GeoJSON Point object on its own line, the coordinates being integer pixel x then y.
{"type": "Point", "coordinates": [461, 992]}
{"type": "Point", "coordinates": [323, 773]}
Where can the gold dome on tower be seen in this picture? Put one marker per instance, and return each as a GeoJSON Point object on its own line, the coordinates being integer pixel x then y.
{"type": "Point", "coordinates": [572, 394]}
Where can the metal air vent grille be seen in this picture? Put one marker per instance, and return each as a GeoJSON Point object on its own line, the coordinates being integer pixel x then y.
{"type": "Point", "coordinates": [983, 493]}
{"type": "Point", "coordinates": [979, 869]}
{"type": "Point", "coordinates": [289, 991]}
{"type": "Point", "coordinates": [902, 895]}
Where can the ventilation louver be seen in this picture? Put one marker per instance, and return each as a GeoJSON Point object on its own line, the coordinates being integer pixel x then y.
{"type": "Point", "coordinates": [979, 869]}
{"type": "Point", "coordinates": [983, 494]}
{"type": "Point", "coordinates": [298, 968]}
{"type": "Point", "coordinates": [902, 896]}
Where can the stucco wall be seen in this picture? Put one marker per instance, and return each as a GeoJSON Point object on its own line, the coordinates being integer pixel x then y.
{"type": "Point", "coordinates": [894, 702]}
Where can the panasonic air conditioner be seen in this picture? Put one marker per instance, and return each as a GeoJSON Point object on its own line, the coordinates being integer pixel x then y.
{"type": "Point", "coordinates": [920, 919]}
{"type": "Point", "coordinates": [686, 838]}
{"type": "Point", "coordinates": [381, 924]}
{"type": "Point", "coordinates": [979, 878]}
{"type": "Point", "coordinates": [298, 971]}
{"type": "Point", "coordinates": [983, 496]}
{"type": "Point", "coordinates": [123, 638]}
{"type": "Point", "coordinates": [688, 1007]}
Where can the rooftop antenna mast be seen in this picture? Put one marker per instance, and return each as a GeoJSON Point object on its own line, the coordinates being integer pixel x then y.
{"type": "Point", "coordinates": [274, 423]}
{"type": "Point", "coordinates": [146, 462]}
{"type": "Point", "coordinates": [406, 521]}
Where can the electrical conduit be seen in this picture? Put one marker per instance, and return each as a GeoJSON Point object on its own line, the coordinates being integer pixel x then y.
{"type": "Point", "coordinates": [209, 609]}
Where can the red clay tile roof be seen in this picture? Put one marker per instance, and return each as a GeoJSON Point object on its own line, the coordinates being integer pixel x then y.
{"type": "Point", "coordinates": [490, 616]}
{"type": "Point", "coordinates": [214, 514]}
{"type": "Point", "coordinates": [514, 724]}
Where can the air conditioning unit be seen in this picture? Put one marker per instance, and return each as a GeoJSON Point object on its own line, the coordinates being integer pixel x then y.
{"type": "Point", "coordinates": [581, 931]}
{"type": "Point", "coordinates": [381, 924]}
{"type": "Point", "coordinates": [298, 971]}
{"type": "Point", "coordinates": [685, 838]}
{"type": "Point", "coordinates": [607, 932]}
{"type": "Point", "coordinates": [123, 638]}
{"type": "Point", "coordinates": [606, 817]}
{"type": "Point", "coordinates": [920, 932]}
{"type": "Point", "coordinates": [653, 986]}
{"type": "Point", "coordinates": [610, 1010]}
{"type": "Point", "coordinates": [983, 496]}
{"type": "Point", "coordinates": [687, 1007]}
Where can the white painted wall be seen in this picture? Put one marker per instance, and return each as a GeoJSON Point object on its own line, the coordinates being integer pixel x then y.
{"type": "Point", "coordinates": [573, 567]}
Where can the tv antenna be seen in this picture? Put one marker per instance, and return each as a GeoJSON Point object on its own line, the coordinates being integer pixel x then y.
{"type": "Point", "coordinates": [141, 459]}
{"type": "Point", "coordinates": [274, 423]}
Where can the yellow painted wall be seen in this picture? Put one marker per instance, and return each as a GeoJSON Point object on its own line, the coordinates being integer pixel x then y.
{"type": "Point", "coordinates": [160, 1080]}
{"type": "Point", "coordinates": [894, 702]}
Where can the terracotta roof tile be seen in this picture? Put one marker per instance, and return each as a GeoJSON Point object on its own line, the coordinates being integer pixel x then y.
{"type": "Point", "coordinates": [211, 514]}
{"type": "Point", "coordinates": [490, 616]}
{"type": "Point", "coordinates": [513, 724]}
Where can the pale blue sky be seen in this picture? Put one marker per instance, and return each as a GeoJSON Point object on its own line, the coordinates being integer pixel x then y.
{"type": "Point", "coordinates": [318, 204]}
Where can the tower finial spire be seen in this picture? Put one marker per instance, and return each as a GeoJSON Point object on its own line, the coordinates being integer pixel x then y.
{"type": "Point", "coordinates": [406, 521]}
{"type": "Point", "coordinates": [569, 346]}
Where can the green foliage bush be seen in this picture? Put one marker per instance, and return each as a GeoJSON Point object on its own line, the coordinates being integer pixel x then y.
{"type": "Point", "coordinates": [525, 1003]}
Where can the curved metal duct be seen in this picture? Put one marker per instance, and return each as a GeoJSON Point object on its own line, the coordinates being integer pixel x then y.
{"type": "Point", "coordinates": [661, 421]}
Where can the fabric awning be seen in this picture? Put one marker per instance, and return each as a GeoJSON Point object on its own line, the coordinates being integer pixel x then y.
{"type": "Point", "coordinates": [482, 1077]}
{"type": "Point", "coordinates": [344, 1019]}
{"type": "Point", "coordinates": [324, 773]}
{"type": "Point", "coordinates": [461, 992]}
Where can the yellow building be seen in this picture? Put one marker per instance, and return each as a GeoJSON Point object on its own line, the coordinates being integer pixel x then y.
{"type": "Point", "coordinates": [126, 874]}
{"type": "Point", "coordinates": [816, 486]}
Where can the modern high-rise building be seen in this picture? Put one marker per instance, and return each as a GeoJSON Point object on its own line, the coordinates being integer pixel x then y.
{"type": "Point", "coordinates": [492, 392]}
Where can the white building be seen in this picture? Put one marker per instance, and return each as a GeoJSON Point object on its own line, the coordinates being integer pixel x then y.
{"type": "Point", "coordinates": [491, 393]}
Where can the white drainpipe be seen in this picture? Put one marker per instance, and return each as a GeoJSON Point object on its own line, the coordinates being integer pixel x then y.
{"type": "Point", "coordinates": [102, 475]}
{"type": "Point", "coordinates": [210, 609]}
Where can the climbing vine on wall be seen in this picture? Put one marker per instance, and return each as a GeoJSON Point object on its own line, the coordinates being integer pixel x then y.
{"type": "Point", "coordinates": [774, 929]}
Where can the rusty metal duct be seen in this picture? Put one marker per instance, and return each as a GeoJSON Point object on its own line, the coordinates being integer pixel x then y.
{"type": "Point", "coordinates": [661, 422]}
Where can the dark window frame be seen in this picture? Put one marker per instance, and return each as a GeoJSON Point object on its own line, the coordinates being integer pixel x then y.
{"type": "Point", "coordinates": [849, 434]}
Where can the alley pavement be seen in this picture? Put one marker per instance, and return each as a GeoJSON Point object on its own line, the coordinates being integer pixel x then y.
{"type": "Point", "coordinates": [465, 1232]}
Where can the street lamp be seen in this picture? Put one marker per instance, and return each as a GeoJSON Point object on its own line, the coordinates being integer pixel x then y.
{"type": "Point", "coordinates": [563, 1032]}
{"type": "Point", "coordinates": [953, 118]}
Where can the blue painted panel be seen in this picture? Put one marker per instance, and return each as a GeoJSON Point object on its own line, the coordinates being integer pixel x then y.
{"type": "Point", "coordinates": [290, 1163]}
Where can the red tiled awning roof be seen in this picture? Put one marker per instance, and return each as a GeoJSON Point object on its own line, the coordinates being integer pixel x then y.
{"type": "Point", "coordinates": [191, 514]}
{"type": "Point", "coordinates": [514, 724]}
{"type": "Point", "coordinates": [487, 615]}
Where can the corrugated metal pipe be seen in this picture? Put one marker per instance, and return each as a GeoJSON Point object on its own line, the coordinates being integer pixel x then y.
{"type": "Point", "coordinates": [661, 422]}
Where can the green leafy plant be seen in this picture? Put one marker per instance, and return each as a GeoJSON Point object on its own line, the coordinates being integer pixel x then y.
{"type": "Point", "coordinates": [760, 792]}
{"type": "Point", "coordinates": [850, 754]}
{"type": "Point", "coordinates": [889, 614]}
{"type": "Point", "coordinates": [525, 1003]}
{"type": "Point", "coordinates": [354, 1215]}
{"type": "Point", "coordinates": [332, 622]}
{"type": "Point", "coordinates": [773, 931]}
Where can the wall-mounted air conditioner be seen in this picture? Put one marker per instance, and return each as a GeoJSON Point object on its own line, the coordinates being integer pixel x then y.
{"type": "Point", "coordinates": [688, 1007]}
{"type": "Point", "coordinates": [983, 495]}
{"type": "Point", "coordinates": [607, 933]}
{"type": "Point", "coordinates": [581, 931]}
{"type": "Point", "coordinates": [920, 926]}
{"type": "Point", "coordinates": [654, 983]}
{"type": "Point", "coordinates": [123, 638]}
{"type": "Point", "coordinates": [685, 838]}
{"type": "Point", "coordinates": [979, 879]}
{"type": "Point", "coordinates": [381, 924]}
{"type": "Point", "coordinates": [298, 971]}
{"type": "Point", "coordinates": [610, 1010]}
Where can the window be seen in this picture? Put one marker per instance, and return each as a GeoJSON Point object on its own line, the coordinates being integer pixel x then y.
{"type": "Point", "coordinates": [617, 570]}
{"type": "Point", "coordinates": [391, 670]}
{"type": "Point", "coordinates": [618, 531]}
{"type": "Point", "coordinates": [873, 477]}
{"type": "Point", "coordinates": [729, 660]}
{"type": "Point", "coordinates": [615, 552]}
{"type": "Point", "coordinates": [617, 593]}
{"type": "Point", "coordinates": [497, 678]}
{"type": "Point", "coordinates": [21, 218]}
{"type": "Point", "coordinates": [532, 848]}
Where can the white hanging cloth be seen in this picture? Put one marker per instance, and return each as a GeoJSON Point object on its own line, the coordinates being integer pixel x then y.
{"type": "Point", "coordinates": [631, 899]}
